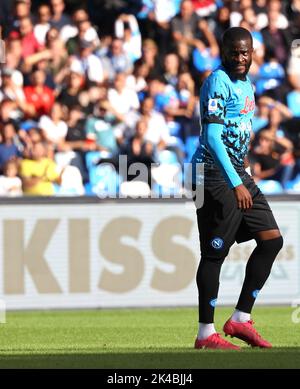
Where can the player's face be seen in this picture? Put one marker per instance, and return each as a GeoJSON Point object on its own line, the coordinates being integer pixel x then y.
{"type": "Point", "coordinates": [237, 57]}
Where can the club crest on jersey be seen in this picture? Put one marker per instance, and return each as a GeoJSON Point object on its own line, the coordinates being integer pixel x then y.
{"type": "Point", "coordinates": [249, 106]}
{"type": "Point", "coordinates": [217, 243]}
{"type": "Point", "coordinates": [212, 105]}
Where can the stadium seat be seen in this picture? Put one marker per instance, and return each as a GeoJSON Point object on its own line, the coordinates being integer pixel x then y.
{"type": "Point", "coordinates": [293, 102]}
{"type": "Point", "coordinates": [104, 180]}
{"type": "Point", "coordinates": [167, 179]}
{"type": "Point", "coordinates": [93, 157]}
{"type": "Point", "coordinates": [270, 187]}
{"type": "Point", "coordinates": [71, 182]}
{"type": "Point", "coordinates": [88, 189]}
{"type": "Point", "coordinates": [271, 75]}
{"type": "Point", "coordinates": [203, 60]}
{"type": "Point", "coordinates": [293, 186]}
{"type": "Point", "coordinates": [174, 128]}
{"type": "Point", "coordinates": [167, 157]}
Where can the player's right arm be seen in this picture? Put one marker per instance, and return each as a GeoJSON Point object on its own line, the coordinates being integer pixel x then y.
{"type": "Point", "coordinates": [214, 96]}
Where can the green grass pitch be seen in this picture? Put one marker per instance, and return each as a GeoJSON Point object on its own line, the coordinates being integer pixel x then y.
{"type": "Point", "coordinates": [139, 338]}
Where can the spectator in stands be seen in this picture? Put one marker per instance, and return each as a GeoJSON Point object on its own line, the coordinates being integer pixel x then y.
{"type": "Point", "coordinates": [29, 135]}
{"type": "Point", "coordinates": [58, 65]}
{"type": "Point", "coordinates": [237, 10]}
{"type": "Point", "coordinates": [283, 145]}
{"type": "Point", "coordinates": [137, 80]}
{"type": "Point", "coordinates": [121, 98]}
{"type": "Point", "coordinates": [161, 16]}
{"type": "Point", "coordinates": [71, 150]}
{"type": "Point", "coordinates": [157, 132]}
{"type": "Point", "coordinates": [272, 158]}
{"type": "Point", "coordinates": [14, 92]}
{"type": "Point", "coordinates": [100, 132]}
{"type": "Point", "coordinates": [9, 111]}
{"type": "Point", "coordinates": [14, 57]}
{"type": "Point", "coordinates": [139, 150]}
{"type": "Point", "coordinates": [76, 135]}
{"type": "Point", "coordinates": [277, 113]}
{"type": "Point", "coordinates": [88, 63]}
{"type": "Point", "coordinates": [53, 59]}
{"type": "Point", "coordinates": [186, 96]}
{"type": "Point", "coordinates": [40, 97]}
{"type": "Point", "coordinates": [10, 183]}
{"type": "Point", "coordinates": [172, 68]}
{"type": "Point", "coordinates": [293, 13]}
{"type": "Point", "coordinates": [164, 95]}
{"type": "Point", "coordinates": [127, 29]}
{"type": "Point", "coordinates": [52, 34]}
{"type": "Point", "coordinates": [54, 127]}
{"type": "Point", "coordinates": [261, 117]}
{"type": "Point", "coordinates": [150, 56]}
{"type": "Point", "coordinates": [59, 18]}
{"type": "Point", "coordinates": [43, 25]}
{"type": "Point", "coordinates": [9, 146]}
{"type": "Point", "coordinates": [69, 96]}
{"type": "Point", "coordinates": [265, 162]}
{"type": "Point", "coordinates": [82, 30]}
{"type": "Point", "coordinates": [117, 60]}
{"type": "Point", "coordinates": [6, 10]}
{"type": "Point", "coordinates": [222, 23]}
{"type": "Point", "coordinates": [276, 40]}
{"type": "Point", "coordinates": [39, 173]}
{"type": "Point", "coordinates": [250, 19]}
{"type": "Point", "coordinates": [187, 27]}
{"type": "Point", "coordinates": [260, 6]}
{"type": "Point", "coordinates": [30, 44]}
{"type": "Point", "coordinates": [9, 90]}
{"type": "Point", "coordinates": [20, 10]}
{"type": "Point", "coordinates": [293, 73]}
{"type": "Point", "coordinates": [273, 7]}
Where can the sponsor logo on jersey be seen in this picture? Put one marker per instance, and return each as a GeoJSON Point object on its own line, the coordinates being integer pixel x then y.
{"type": "Point", "coordinates": [249, 106]}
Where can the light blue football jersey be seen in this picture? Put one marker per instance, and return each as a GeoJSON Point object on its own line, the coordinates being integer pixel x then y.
{"type": "Point", "coordinates": [229, 102]}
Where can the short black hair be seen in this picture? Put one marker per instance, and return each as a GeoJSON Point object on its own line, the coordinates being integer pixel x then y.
{"type": "Point", "coordinates": [234, 34]}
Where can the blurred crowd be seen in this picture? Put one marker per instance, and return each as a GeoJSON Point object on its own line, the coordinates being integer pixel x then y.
{"type": "Point", "coordinates": [82, 83]}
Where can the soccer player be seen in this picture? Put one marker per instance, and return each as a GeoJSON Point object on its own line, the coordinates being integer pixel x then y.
{"type": "Point", "coordinates": [234, 209]}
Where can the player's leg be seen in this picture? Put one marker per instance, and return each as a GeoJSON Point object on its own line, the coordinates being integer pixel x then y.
{"type": "Point", "coordinates": [269, 242]}
{"type": "Point", "coordinates": [218, 221]}
{"type": "Point", "coordinates": [258, 268]}
{"type": "Point", "coordinates": [208, 285]}
{"type": "Point", "coordinates": [207, 278]}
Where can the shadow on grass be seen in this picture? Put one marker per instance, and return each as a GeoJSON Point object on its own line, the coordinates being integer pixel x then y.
{"type": "Point", "coordinates": [276, 358]}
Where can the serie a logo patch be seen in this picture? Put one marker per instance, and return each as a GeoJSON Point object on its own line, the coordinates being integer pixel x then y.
{"type": "Point", "coordinates": [217, 243]}
{"type": "Point", "coordinates": [212, 105]}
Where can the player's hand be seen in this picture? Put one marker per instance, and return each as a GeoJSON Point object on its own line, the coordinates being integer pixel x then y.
{"type": "Point", "coordinates": [243, 197]}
